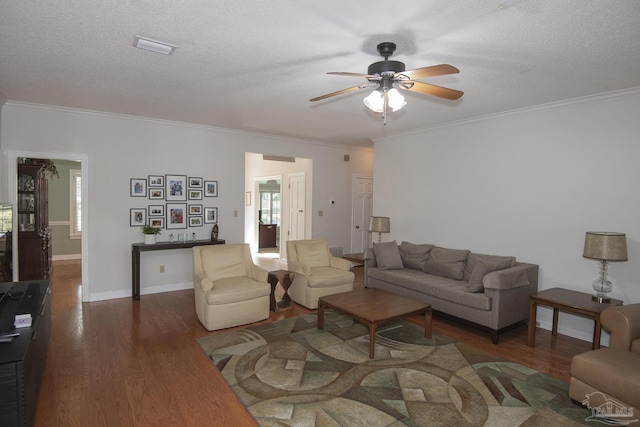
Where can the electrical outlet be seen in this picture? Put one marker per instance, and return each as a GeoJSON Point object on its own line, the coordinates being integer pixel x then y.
{"type": "Point", "coordinates": [235, 214]}
{"type": "Point", "coordinates": [162, 269]}
{"type": "Point", "coordinates": [320, 213]}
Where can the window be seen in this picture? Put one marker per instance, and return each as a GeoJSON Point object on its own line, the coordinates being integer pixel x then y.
{"type": "Point", "coordinates": [270, 207]}
{"type": "Point", "coordinates": [75, 205]}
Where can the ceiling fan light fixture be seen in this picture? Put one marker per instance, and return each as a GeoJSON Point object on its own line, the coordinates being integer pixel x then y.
{"type": "Point", "coordinates": [396, 100]}
{"type": "Point", "coordinates": [375, 101]}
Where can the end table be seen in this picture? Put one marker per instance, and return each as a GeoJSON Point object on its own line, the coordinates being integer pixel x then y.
{"type": "Point", "coordinates": [574, 302]}
{"type": "Point", "coordinates": [285, 278]}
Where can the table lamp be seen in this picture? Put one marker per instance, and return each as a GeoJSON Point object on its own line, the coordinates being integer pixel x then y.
{"type": "Point", "coordinates": [380, 224]}
{"type": "Point", "coordinates": [604, 246]}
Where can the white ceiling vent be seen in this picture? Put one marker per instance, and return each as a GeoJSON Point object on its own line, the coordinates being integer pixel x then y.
{"type": "Point", "coordinates": [154, 45]}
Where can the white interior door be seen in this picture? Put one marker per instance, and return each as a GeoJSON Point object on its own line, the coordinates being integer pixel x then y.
{"type": "Point", "coordinates": [296, 207]}
{"type": "Point", "coordinates": [361, 213]}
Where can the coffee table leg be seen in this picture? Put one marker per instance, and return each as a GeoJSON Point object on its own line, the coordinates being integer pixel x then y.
{"type": "Point", "coordinates": [427, 323]}
{"type": "Point", "coordinates": [372, 339]}
{"type": "Point", "coordinates": [320, 316]}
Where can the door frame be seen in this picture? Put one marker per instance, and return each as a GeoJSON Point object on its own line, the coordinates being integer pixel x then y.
{"type": "Point", "coordinates": [12, 169]}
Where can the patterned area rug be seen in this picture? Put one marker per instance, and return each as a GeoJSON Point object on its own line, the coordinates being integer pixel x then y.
{"type": "Point", "coordinates": [288, 373]}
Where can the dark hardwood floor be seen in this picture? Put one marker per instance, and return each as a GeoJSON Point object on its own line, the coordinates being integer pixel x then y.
{"type": "Point", "coordinates": [136, 363]}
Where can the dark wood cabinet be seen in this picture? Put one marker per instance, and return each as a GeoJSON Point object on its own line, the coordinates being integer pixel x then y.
{"type": "Point", "coordinates": [267, 235]}
{"type": "Point", "coordinates": [34, 235]}
{"type": "Point", "coordinates": [22, 360]}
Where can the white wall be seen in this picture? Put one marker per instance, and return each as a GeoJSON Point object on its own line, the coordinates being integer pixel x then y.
{"type": "Point", "coordinates": [121, 147]}
{"type": "Point", "coordinates": [529, 184]}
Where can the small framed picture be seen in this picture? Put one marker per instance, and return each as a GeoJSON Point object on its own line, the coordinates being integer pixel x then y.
{"type": "Point", "coordinates": [156, 193]}
{"type": "Point", "coordinates": [195, 221]}
{"type": "Point", "coordinates": [210, 215]}
{"type": "Point", "coordinates": [137, 217]}
{"type": "Point", "coordinates": [176, 187]}
{"type": "Point", "coordinates": [211, 188]}
{"type": "Point", "coordinates": [138, 187]}
{"type": "Point", "coordinates": [156, 210]}
{"type": "Point", "coordinates": [156, 222]}
{"type": "Point", "coordinates": [176, 216]}
{"type": "Point", "coordinates": [195, 194]}
{"type": "Point", "coordinates": [156, 181]}
{"type": "Point", "coordinates": [195, 209]}
{"type": "Point", "coordinates": [195, 182]}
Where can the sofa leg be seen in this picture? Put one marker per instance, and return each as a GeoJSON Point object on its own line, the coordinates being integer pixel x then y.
{"type": "Point", "coordinates": [494, 336]}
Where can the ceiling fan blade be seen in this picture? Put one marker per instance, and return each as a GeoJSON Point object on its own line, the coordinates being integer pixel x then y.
{"type": "Point", "coordinates": [429, 89]}
{"type": "Point", "coordinates": [343, 73]}
{"type": "Point", "coordinates": [340, 92]}
{"type": "Point", "coordinates": [434, 70]}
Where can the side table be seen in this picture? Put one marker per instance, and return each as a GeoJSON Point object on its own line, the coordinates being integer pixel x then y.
{"type": "Point", "coordinates": [574, 302]}
{"type": "Point", "coordinates": [285, 278]}
{"type": "Point", "coordinates": [357, 258]}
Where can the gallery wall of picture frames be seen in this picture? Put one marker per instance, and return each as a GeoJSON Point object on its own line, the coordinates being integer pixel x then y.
{"type": "Point", "coordinates": [176, 201]}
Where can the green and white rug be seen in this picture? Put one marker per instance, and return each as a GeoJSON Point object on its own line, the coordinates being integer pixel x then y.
{"type": "Point", "coordinates": [288, 373]}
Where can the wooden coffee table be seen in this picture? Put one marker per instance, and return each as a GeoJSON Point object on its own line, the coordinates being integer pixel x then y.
{"type": "Point", "coordinates": [374, 307]}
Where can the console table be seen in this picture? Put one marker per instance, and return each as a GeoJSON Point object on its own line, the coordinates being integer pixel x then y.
{"type": "Point", "coordinates": [136, 248]}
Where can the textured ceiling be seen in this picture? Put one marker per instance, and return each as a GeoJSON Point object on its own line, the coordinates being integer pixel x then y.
{"type": "Point", "coordinates": [253, 65]}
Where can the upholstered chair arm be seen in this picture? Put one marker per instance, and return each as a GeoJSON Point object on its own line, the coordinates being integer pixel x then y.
{"type": "Point", "coordinates": [203, 281]}
{"type": "Point", "coordinates": [623, 322]}
{"type": "Point", "coordinates": [258, 273]}
{"type": "Point", "coordinates": [299, 268]}
{"type": "Point", "coordinates": [341, 263]}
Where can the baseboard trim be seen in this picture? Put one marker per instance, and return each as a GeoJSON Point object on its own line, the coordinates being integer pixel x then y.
{"type": "Point", "coordinates": [103, 296]}
{"type": "Point", "coordinates": [66, 257]}
{"type": "Point", "coordinates": [573, 333]}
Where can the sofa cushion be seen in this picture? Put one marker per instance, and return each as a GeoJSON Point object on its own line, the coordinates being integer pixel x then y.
{"type": "Point", "coordinates": [413, 255]}
{"type": "Point", "coordinates": [482, 268]}
{"type": "Point", "coordinates": [445, 262]}
{"type": "Point", "coordinates": [433, 286]}
{"type": "Point", "coordinates": [388, 255]}
{"type": "Point", "coordinates": [474, 258]}
{"type": "Point", "coordinates": [313, 254]}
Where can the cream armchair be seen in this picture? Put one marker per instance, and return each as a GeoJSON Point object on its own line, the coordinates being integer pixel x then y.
{"type": "Point", "coordinates": [608, 378]}
{"type": "Point", "coordinates": [230, 290]}
{"type": "Point", "coordinates": [317, 272]}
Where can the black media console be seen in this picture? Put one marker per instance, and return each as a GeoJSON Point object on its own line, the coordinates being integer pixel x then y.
{"type": "Point", "coordinates": [22, 359]}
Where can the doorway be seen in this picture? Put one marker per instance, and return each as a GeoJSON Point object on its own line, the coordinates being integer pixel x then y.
{"type": "Point", "coordinates": [81, 163]}
{"type": "Point", "coordinates": [260, 168]}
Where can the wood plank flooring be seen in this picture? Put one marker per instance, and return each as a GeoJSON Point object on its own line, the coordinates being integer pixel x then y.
{"type": "Point", "coordinates": [136, 363]}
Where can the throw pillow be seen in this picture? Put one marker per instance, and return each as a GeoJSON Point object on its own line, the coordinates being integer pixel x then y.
{"type": "Point", "coordinates": [482, 268]}
{"type": "Point", "coordinates": [413, 255]}
{"type": "Point", "coordinates": [388, 255]}
{"type": "Point", "coordinates": [445, 262]}
{"type": "Point", "coordinates": [474, 258]}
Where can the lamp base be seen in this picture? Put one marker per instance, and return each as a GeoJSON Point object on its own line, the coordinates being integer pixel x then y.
{"type": "Point", "coordinates": [601, 299]}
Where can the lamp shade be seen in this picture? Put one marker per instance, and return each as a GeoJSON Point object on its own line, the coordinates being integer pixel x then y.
{"type": "Point", "coordinates": [607, 246]}
{"type": "Point", "coordinates": [380, 224]}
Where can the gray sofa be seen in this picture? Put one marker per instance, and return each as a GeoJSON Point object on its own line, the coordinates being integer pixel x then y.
{"type": "Point", "coordinates": [486, 291]}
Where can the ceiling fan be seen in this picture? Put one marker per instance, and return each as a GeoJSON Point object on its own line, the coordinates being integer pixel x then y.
{"type": "Point", "coordinates": [388, 75]}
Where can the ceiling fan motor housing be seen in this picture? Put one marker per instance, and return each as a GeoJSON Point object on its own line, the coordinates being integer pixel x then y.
{"type": "Point", "coordinates": [386, 66]}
